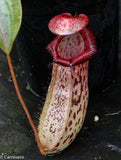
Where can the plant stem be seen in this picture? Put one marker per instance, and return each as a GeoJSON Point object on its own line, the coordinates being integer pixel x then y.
{"type": "Point", "coordinates": [23, 104]}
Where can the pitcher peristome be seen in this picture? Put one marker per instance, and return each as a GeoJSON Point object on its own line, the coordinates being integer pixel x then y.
{"type": "Point", "coordinates": [66, 102]}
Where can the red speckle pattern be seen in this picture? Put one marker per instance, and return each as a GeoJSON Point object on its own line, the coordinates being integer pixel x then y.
{"type": "Point", "coordinates": [66, 103]}
{"type": "Point", "coordinates": [70, 129]}
{"type": "Point", "coordinates": [57, 145]}
{"type": "Point", "coordinates": [79, 104]}
{"type": "Point", "coordinates": [66, 24]}
{"type": "Point", "coordinates": [66, 59]}
{"type": "Point", "coordinates": [71, 135]}
{"type": "Point", "coordinates": [66, 129]}
{"type": "Point", "coordinates": [74, 115]}
{"type": "Point", "coordinates": [61, 129]}
{"type": "Point", "coordinates": [71, 46]}
{"type": "Point", "coordinates": [56, 114]}
{"type": "Point", "coordinates": [70, 123]}
{"type": "Point", "coordinates": [65, 139]}
{"type": "Point", "coordinates": [70, 113]}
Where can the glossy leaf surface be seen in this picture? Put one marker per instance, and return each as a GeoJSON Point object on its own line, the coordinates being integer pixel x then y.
{"type": "Point", "coordinates": [10, 22]}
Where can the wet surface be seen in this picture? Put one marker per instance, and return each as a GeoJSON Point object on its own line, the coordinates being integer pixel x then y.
{"type": "Point", "coordinates": [100, 137]}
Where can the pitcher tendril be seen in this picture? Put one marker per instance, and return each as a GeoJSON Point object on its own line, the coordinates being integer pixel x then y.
{"type": "Point", "coordinates": [23, 104]}
{"type": "Point", "coordinates": [66, 102]}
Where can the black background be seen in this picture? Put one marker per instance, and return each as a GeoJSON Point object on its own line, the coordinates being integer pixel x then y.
{"type": "Point", "coordinates": [34, 36]}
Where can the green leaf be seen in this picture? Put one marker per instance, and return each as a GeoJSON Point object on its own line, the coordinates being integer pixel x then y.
{"type": "Point", "coordinates": [10, 22]}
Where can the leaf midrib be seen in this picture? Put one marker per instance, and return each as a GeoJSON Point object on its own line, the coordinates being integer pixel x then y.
{"type": "Point", "coordinates": [3, 36]}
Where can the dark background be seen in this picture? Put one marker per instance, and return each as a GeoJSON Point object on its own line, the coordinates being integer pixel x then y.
{"type": "Point", "coordinates": [34, 36]}
{"type": "Point", "coordinates": [99, 140]}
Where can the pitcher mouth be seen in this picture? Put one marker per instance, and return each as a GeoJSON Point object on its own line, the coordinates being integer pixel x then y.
{"type": "Point", "coordinates": [66, 103]}
{"type": "Point", "coordinates": [85, 50]}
